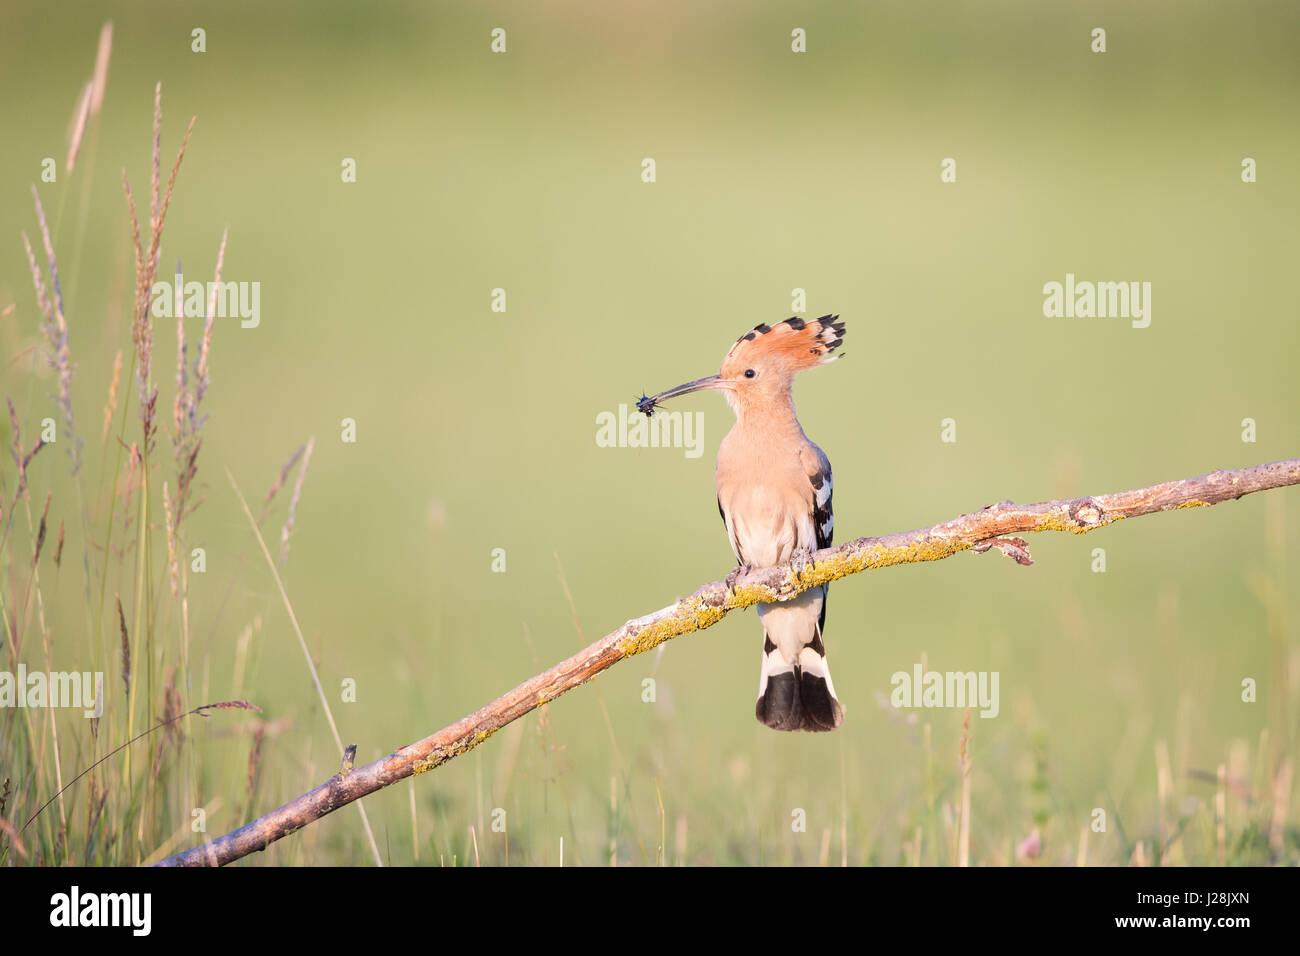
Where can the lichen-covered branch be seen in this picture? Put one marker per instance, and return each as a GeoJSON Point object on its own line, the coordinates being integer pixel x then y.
{"type": "Point", "coordinates": [987, 528]}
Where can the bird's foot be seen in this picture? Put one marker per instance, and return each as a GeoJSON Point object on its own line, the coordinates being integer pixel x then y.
{"type": "Point", "coordinates": [734, 575]}
{"type": "Point", "coordinates": [801, 560]}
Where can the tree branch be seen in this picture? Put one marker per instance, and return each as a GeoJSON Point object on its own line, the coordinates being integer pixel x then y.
{"type": "Point", "coordinates": [981, 530]}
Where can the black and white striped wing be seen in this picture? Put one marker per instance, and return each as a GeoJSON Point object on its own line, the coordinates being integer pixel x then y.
{"type": "Point", "coordinates": [823, 513]}
{"type": "Point", "coordinates": [819, 476]}
{"type": "Point", "coordinates": [823, 516]}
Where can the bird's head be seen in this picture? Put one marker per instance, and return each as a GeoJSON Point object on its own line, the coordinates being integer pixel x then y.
{"type": "Point", "coordinates": [761, 366]}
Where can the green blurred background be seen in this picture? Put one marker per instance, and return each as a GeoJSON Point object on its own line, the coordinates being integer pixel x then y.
{"type": "Point", "coordinates": [476, 430]}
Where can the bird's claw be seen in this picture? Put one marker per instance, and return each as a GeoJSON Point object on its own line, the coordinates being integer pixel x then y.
{"type": "Point", "coordinates": [733, 576]}
{"type": "Point", "coordinates": [802, 560]}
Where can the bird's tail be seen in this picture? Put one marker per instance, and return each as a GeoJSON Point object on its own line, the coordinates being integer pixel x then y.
{"type": "Point", "coordinates": [795, 691]}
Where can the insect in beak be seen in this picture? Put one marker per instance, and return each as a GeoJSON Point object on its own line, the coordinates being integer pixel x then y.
{"type": "Point", "coordinates": [647, 404]}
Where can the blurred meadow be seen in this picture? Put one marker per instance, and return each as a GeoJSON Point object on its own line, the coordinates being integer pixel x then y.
{"type": "Point", "coordinates": [475, 429]}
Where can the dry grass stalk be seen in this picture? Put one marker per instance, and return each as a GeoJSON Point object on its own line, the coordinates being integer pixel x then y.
{"type": "Point", "coordinates": [179, 416]}
{"type": "Point", "coordinates": [135, 242]}
{"type": "Point", "coordinates": [155, 178]}
{"type": "Point", "coordinates": [279, 482]}
{"type": "Point", "coordinates": [99, 82]}
{"type": "Point", "coordinates": [156, 240]}
{"type": "Point", "coordinates": [57, 326]}
{"type": "Point", "coordinates": [77, 129]}
{"type": "Point", "coordinates": [54, 324]}
{"type": "Point", "coordinates": [147, 263]}
{"type": "Point", "coordinates": [185, 473]}
{"type": "Point", "coordinates": [50, 260]}
{"type": "Point", "coordinates": [134, 467]}
{"type": "Point", "coordinates": [201, 366]}
{"type": "Point", "coordinates": [171, 712]}
{"type": "Point", "coordinates": [254, 763]}
{"type": "Point", "coordinates": [171, 706]}
{"type": "Point", "coordinates": [141, 329]}
{"type": "Point", "coordinates": [38, 281]}
{"type": "Point", "coordinates": [9, 830]}
{"type": "Point", "coordinates": [1139, 857]}
{"type": "Point", "coordinates": [126, 646]}
{"type": "Point", "coordinates": [172, 566]}
{"type": "Point", "coordinates": [293, 502]}
{"type": "Point", "coordinates": [91, 99]}
{"type": "Point", "coordinates": [110, 409]}
{"type": "Point", "coordinates": [21, 458]}
{"type": "Point", "coordinates": [58, 548]}
{"type": "Point", "coordinates": [203, 709]}
{"type": "Point", "coordinates": [93, 815]}
{"type": "Point", "coordinates": [186, 421]}
{"type": "Point", "coordinates": [40, 533]}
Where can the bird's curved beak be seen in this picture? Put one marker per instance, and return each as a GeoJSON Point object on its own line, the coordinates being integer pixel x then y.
{"type": "Point", "coordinates": [710, 381]}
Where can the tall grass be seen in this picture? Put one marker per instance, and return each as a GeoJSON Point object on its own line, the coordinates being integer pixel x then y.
{"type": "Point", "coordinates": [128, 540]}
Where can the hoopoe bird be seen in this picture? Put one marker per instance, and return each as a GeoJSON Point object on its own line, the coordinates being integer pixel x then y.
{"type": "Point", "coordinates": [774, 494]}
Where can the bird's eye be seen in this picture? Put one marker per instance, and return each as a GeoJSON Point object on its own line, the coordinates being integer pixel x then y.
{"type": "Point", "coordinates": [750, 373]}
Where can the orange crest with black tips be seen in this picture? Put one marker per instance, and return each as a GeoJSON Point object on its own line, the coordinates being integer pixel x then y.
{"type": "Point", "coordinates": [796, 344]}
